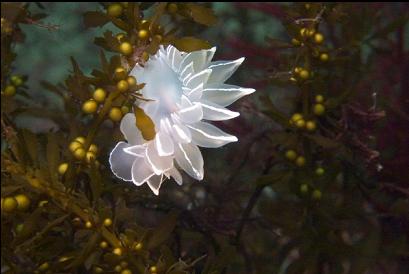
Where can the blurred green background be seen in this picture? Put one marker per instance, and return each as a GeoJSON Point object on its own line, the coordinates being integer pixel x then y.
{"type": "Point", "coordinates": [45, 54]}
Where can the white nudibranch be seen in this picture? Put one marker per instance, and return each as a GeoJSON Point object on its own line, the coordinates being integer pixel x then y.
{"type": "Point", "coordinates": [183, 90]}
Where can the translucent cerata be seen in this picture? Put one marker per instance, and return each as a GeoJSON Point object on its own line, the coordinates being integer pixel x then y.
{"type": "Point", "coordinates": [185, 92]}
